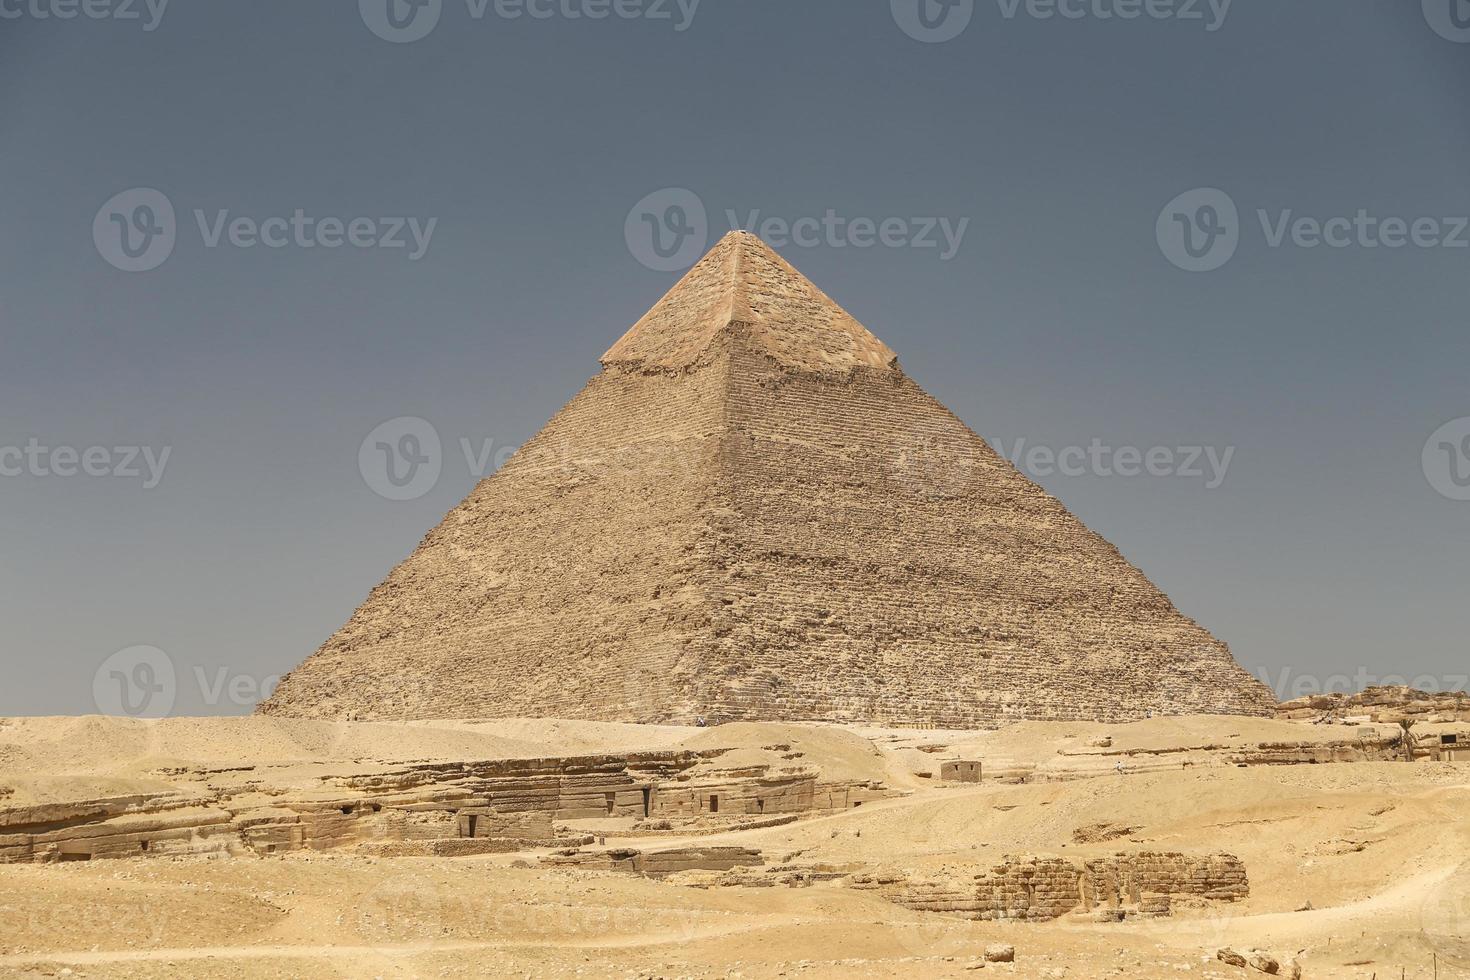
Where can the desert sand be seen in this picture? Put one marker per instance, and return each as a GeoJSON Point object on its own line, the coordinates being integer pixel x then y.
{"type": "Point", "coordinates": [1356, 868]}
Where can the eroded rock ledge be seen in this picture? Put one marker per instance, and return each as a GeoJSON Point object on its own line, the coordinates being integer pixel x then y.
{"type": "Point", "coordinates": [507, 800]}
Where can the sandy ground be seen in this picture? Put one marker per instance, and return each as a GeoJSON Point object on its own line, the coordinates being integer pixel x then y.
{"type": "Point", "coordinates": [1361, 870]}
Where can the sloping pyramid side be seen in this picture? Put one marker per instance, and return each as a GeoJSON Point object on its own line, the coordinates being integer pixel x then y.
{"type": "Point", "coordinates": [570, 584]}
{"type": "Point", "coordinates": [884, 564]}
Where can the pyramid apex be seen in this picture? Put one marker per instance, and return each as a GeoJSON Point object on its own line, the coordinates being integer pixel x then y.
{"type": "Point", "coordinates": [741, 237]}
{"type": "Point", "coordinates": [743, 280]}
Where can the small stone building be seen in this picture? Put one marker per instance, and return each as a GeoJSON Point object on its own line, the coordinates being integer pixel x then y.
{"type": "Point", "coordinates": [1442, 742]}
{"type": "Point", "coordinates": [960, 771]}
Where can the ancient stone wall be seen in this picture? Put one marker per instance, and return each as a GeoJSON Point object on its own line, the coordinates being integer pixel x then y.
{"type": "Point", "coordinates": [1040, 889]}
{"type": "Point", "coordinates": [1371, 746]}
{"type": "Point", "coordinates": [525, 825]}
{"type": "Point", "coordinates": [755, 795]}
{"type": "Point", "coordinates": [1126, 879]}
{"type": "Point", "coordinates": [960, 771]}
{"type": "Point", "coordinates": [569, 585]}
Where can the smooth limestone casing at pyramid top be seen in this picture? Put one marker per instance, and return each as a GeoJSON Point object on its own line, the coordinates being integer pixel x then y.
{"type": "Point", "coordinates": [753, 513]}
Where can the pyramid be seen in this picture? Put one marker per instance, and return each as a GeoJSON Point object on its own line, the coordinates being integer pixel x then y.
{"type": "Point", "coordinates": [752, 513]}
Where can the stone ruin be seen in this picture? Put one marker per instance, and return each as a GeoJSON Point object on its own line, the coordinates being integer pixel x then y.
{"type": "Point", "coordinates": [1434, 726]}
{"type": "Point", "coordinates": [753, 513]}
{"type": "Point", "coordinates": [1038, 889]}
{"type": "Point", "coordinates": [1379, 704]}
{"type": "Point", "coordinates": [1139, 884]}
{"type": "Point", "coordinates": [658, 864]}
{"type": "Point", "coordinates": [961, 771]}
{"type": "Point", "coordinates": [442, 809]}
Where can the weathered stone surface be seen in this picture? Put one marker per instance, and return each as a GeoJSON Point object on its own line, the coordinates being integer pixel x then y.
{"type": "Point", "coordinates": [457, 847]}
{"type": "Point", "coordinates": [960, 771]}
{"type": "Point", "coordinates": [753, 513]}
{"type": "Point", "coordinates": [657, 864]}
{"type": "Point", "coordinates": [444, 809]}
{"type": "Point", "coordinates": [516, 825]}
{"type": "Point", "coordinates": [1230, 956]}
{"type": "Point", "coordinates": [1260, 961]}
{"type": "Point", "coordinates": [1380, 704]}
{"type": "Point", "coordinates": [1264, 962]}
{"type": "Point", "coordinates": [1000, 953]}
{"type": "Point", "coordinates": [1038, 889]}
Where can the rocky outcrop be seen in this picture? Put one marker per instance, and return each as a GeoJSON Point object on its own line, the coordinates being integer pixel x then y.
{"type": "Point", "coordinates": [658, 864]}
{"type": "Point", "coordinates": [758, 793]}
{"type": "Point", "coordinates": [498, 801]}
{"type": "Point", "coordinates": [1379, 704]}
{"type": "Point", "coordinates": [1369, 745]}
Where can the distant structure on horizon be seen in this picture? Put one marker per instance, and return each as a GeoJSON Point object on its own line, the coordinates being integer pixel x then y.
{"type": "Point", "coordinates": [752, 513]}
